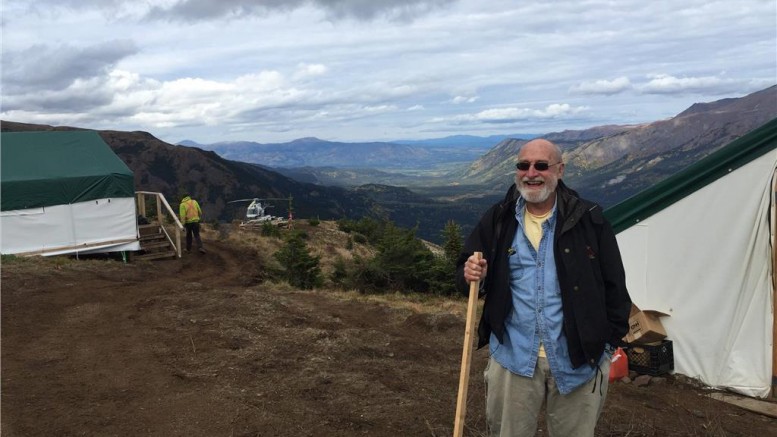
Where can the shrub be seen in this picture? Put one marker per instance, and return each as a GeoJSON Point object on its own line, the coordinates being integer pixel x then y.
{"type": "Point", "coordinates": [345, 225]}
{"type": "Point", "coordinates": [339, 276]}
{"type": "Point", "coordinates": [402, 263]}
{"type": "Point", "coordinates": [8, 259]}
{"type": "Point", "coordinates": [359, 238]}
{"type": "Point", "coordinates": [369, 228]}
{"type": "Point", "coordinates": [270, 230]}
{"type": "Point", "coordinates": [299, 267]}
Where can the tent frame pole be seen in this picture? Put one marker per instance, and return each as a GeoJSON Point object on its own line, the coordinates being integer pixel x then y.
{"type": "Point", "coordinates": [774, 281]}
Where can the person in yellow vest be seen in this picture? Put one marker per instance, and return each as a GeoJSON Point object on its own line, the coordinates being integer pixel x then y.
{"type": "Point", "coordinates": [190, 213]}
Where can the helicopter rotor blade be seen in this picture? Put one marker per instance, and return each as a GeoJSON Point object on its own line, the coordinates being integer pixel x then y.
{"type": "Point", "coordinates": [242, 200]}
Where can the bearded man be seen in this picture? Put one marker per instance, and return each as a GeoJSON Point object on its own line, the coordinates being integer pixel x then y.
{"type": "Point", "coordinates": [556, 303]}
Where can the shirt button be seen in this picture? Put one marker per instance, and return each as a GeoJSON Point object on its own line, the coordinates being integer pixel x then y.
{"type": "Point", "coordinates": [566, 250]}
{"type": "Point", "coordinates": [575, 288]}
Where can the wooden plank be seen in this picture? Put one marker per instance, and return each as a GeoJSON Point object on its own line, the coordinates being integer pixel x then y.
{"type": "Point", "coordinates": [78, 247]}
{"type": "Point", "coordinates": [152, 238]}
{"type": "Point", "coordinates": [162, 244]}
{"type": "Point", "coordinates": [141, 202]}
{"type": "Point", "coordinates": [156, 255]}
{"type": "Point", "coordinates": [750, 404]}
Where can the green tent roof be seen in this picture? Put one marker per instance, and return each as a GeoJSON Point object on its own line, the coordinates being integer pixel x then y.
{"type": "Point", "coordinates": [62, 167]}
{"type": "Point", "coordinates": [707, 170]}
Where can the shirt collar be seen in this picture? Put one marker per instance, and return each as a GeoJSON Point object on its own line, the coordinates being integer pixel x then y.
{"type": "Point", "coordinates": [521, 204]}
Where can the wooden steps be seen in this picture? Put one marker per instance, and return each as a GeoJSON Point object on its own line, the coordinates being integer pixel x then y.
{"type": "Point", "coordinates": [154, 244]}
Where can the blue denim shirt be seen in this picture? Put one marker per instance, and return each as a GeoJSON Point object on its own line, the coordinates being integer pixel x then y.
{"type": "Point", "coordinates": [536, 314]}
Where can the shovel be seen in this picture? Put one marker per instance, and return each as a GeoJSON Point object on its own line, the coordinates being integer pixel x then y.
{"type": "Point", "coordinates": [466, 356]}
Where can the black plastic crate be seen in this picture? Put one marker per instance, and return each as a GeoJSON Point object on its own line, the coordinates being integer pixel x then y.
{"type": "Point", "coordinates": [651, 360]}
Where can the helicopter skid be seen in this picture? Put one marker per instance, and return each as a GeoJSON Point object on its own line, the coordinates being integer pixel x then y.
{"type": "Point", "coordinates": [258, 223]}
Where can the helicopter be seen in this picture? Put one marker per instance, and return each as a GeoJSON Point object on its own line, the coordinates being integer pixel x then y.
{"type": "Point", "coordinates": [256, 212]}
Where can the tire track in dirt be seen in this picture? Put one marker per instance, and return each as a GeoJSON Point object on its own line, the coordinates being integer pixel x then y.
{"type": "Point", "coordinates": [221, 265]}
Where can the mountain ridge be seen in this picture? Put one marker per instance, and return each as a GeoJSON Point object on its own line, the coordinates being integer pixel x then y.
{"type": "Point", "coordinates": [605, 164]}
{"type": "Point", "coordinates": [314, 152]}
{"type": "Point", "coordinates": [595, 160]}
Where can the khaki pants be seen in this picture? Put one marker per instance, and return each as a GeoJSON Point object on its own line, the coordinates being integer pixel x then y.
{"type": "Point", "coordinates": [513, 402]}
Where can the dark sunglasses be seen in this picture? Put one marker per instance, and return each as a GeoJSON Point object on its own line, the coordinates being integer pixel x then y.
{"type": "Point", "coordinates": [539, 165]}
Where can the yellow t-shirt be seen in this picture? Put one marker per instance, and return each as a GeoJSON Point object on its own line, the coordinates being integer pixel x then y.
{"type": "Point", "coordinates": [532, 227]}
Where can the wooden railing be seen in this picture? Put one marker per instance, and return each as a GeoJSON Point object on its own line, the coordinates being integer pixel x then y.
{"type": "Point", "coordinates": [161, 218]}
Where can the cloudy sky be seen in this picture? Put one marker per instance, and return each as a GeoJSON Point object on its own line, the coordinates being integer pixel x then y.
{"type": "Point", "coordinates": [354, 70]}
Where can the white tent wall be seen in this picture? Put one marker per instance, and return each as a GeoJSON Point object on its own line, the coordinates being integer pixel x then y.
{"type": "Point", "coordinates": [706, 261]}
{"type": "Point", "coordinates": [103, 225]}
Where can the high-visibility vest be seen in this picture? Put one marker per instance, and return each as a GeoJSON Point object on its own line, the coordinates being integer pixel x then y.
{"type": "Point", "coordinates": [189, 210]}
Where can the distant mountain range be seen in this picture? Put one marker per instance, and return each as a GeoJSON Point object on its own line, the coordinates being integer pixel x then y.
{"type": "Point", "coordinates": [449, 142]}
{"type": "Point", "coordinates": [313, 152]}
{"type": "Point", "coordinates": [425, 183]}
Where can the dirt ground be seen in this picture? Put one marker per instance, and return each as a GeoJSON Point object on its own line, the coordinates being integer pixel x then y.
{"type": "Point", "coordinates": [202, 346]}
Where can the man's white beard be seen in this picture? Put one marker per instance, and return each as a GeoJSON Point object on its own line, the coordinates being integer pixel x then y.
{"type": "Point", "coordinates": [536, 196]}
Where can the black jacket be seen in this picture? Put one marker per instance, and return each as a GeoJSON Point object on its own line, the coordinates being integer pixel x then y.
{"type": "Point", "coordinates": [595, 302]}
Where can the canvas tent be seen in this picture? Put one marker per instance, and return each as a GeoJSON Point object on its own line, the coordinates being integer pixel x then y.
{"type": "Point", "coordinates": [698, 247]}
{"type": "Point", "coordinates": [64, 192]}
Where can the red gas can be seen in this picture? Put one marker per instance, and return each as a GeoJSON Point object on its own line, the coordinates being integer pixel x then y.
{"type": "Point", "coordinates": [619, 365]}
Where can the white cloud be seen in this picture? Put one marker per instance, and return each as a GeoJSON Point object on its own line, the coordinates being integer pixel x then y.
{"type": "Point", "coordinates": [275, 70]}
{"type": "Point", "coordinates": [463, 99]}
{"type": "Point", "coordinates": [310, 70]}
{"type": "Point", "coordinates": [666, 84]}
{"type": "Point", "coordinates": [606, 87]}
{"type": "Point", "coordinates": [197, 10]}
{"type": "Point", "coordinates": [513, 114]}
{"type": "Point", "coordinates": [202, 10]}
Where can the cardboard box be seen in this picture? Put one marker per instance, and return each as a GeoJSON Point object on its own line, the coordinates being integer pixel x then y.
{"type": "Point", "coordinates": [645, 326]}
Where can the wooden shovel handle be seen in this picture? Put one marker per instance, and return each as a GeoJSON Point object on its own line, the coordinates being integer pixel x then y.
{"type": "Point", "coordinates": [466, 356]}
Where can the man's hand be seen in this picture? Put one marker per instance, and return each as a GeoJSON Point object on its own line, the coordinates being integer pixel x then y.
{"type": "Point", "coordinates": [475, 270]}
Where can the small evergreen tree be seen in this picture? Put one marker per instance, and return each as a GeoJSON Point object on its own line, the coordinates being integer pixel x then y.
{"type": "Point", "coordinates": [453, 244]}
{"type": "Point", "coordinates": [345, 225]}
{"type": "Point", "coordinates": [299, 267]}
{"type": "Point", "coordinates": [403, 260]}
{"type": "Point", "coordinates": [339, 276]}
{"type": "Point", "coordinates": [371, 230]}
{"type": "Point", "coordinates": [442, 276]}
